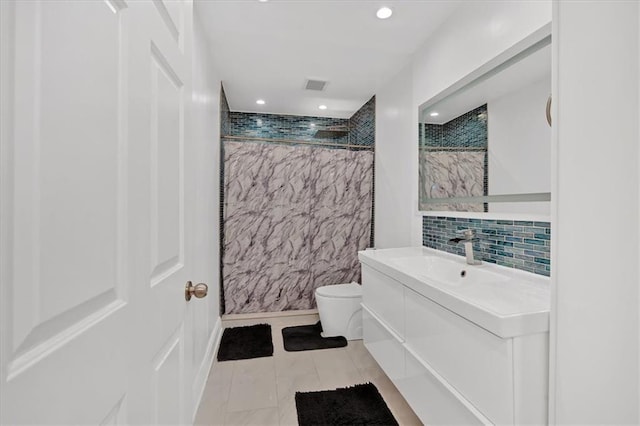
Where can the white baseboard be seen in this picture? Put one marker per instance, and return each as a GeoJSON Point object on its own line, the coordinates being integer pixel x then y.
{"type": "Point", "coordinates": [200, 380]}
{"type": "Point", "coordinates": [260, 315]}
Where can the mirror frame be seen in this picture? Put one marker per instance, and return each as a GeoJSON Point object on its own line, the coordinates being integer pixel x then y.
{"type": "Point", "coordinates": [535, 41]}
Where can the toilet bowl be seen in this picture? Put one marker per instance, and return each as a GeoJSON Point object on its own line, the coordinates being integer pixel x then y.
{"type": "Point", "coordinates": [340, 310]}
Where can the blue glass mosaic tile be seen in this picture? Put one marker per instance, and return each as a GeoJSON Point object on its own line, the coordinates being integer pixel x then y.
{"type": "Point", "coordinates": [468, 130]}
{"type": "Point", "coordinates": [362, 125]}
{"type": "Point", "coordinates": [516, 244]}
{"type": "Point", "coordinates": [225, 117]}
{"type": "Point", "coordinates": [277, 126]}
{"type": "Point", "coordinates": [292, 127]}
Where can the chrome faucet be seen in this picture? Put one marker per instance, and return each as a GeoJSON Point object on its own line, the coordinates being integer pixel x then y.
{"type": "Point", "coordinates": [467, 238]}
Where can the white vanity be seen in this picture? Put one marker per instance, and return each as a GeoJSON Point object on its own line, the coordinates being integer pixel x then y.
{"type": "Point", "coordinates": [464, 344]}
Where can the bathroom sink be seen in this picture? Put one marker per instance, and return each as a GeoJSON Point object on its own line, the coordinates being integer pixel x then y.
{"type": "Point", "coordinates": [447, 271]}
{"type": "Point", "coordinates": [506, 301]}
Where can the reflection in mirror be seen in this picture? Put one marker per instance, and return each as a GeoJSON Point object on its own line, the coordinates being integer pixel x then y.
{"type": "Point", "coordinates": [453, 158]}
{"type": "Point", "coordinates": [485, 147]}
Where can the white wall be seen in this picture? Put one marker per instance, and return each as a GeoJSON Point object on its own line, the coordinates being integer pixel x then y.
{"type": "Point", "coordinates": [396, 201]}
{"type": "Point", "coordinates": [520, 147]}
{"type": "Point", "coordinates": [204, 313]}
{"type": "Point", "coordinates": [596, 241]}
{"type": "Point", "coordinates": [475, 33]}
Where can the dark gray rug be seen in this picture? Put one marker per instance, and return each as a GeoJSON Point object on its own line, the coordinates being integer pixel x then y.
{"type": "Point", "coordinates": [307, 337]}
{"type": "Point", "coordinates": [252, 341]}
{"type": "Point", "coordinates": [356, 405]}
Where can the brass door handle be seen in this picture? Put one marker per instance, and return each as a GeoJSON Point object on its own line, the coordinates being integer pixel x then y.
{"type": "Point", "coordinates": [198, 290]}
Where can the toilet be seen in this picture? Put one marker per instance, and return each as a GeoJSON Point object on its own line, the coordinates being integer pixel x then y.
{"type": "Point", "coordinates": [340, 310]}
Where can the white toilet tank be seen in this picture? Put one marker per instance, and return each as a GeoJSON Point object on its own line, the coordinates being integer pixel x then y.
{"type": "Point", "coordinates": [340, 310]}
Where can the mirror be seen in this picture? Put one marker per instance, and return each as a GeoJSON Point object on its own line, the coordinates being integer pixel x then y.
{"type": "Point", "coordinates": [485, 142]}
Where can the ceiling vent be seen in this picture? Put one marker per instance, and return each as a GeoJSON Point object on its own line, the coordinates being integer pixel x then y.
{"type": "Point", "coordinates": [317, 85]}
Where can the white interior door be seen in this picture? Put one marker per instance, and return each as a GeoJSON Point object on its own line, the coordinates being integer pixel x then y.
{"type": "Point", "coordinates": [164, 205]}
{"type": "Point", "coordinates": [65, 275]}
{"type": "Point", "coordinates": [95, 202]}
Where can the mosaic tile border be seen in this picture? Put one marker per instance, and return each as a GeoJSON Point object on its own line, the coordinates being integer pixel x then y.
{"type": "Point", "coordinates": [279, 126]}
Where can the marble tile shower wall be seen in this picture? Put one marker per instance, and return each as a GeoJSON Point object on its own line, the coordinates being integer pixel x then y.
{"type": "Point", "coordinates": [445, 173]}
{"type": "Point", "coordinates": [294, 218]}
{"type": "Point", "coordinates": [517, 244]}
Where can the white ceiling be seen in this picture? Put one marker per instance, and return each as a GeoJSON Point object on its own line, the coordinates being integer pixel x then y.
{"type": "Point", "coordinates": [267, 50]}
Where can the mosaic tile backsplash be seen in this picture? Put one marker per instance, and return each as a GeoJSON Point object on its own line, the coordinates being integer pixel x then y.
{"type": "Point", "coordinates": [524, 245]}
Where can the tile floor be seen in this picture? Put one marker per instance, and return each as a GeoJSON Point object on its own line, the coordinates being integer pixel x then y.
{"type": "Point", "coordinates": [261, 391]}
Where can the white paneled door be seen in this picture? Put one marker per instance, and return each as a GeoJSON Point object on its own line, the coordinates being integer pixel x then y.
{"type": "Point", "coordinates": [96, 200]}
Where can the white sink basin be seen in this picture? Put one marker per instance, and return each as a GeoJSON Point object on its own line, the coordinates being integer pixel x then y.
{"type": "Point", "coordinates": [506, 301]}
{"type": "Point", "coordinates": [447, 271]}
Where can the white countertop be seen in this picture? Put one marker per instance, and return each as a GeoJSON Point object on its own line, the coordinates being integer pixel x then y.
{"type": "Point", "coordinates": [505, 301]}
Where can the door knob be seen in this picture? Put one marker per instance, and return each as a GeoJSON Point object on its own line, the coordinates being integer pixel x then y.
{"type": "Point", "coordinates": [198, 290]}
{"type": "Point", "coordinates": [548, 110]}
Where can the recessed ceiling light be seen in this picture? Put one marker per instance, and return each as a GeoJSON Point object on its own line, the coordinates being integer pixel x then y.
{"type": "Point", "coordinates": [384, 13]}
{"type": "Point", "coordinates": [434, 114]}
{"type": "Point", "coordinates": [322, 107]}
{"type": "Point", "coordinates": [263, 1]}
{"type": "Point", "coordinates": [260, 102]}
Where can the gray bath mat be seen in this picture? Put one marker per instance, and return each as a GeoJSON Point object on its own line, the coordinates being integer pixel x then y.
{"type": "Point", "coordinates": [307, 337]}
{"type": "Point", "coordinates": [356, 405]}
{"type": "Point", "coordinates": [252, 341]}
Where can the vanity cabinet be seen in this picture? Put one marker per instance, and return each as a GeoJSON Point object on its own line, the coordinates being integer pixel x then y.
{"type": "Point", "coordinates": [449, 369]}
{"type": "Point", "coordinates": [385, 297]}
{"type": "Point", "coordinates": [385, 346]}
